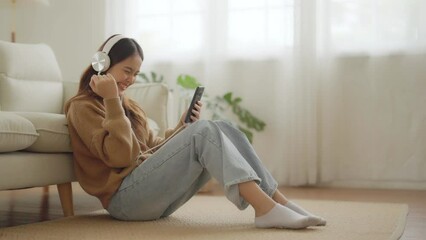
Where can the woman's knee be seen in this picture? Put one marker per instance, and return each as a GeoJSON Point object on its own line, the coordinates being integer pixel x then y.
{"type": "Point", "coordinates": [204, 125]}
{"type": "Point", "coordinates": [228, 127]}
{"type": "Point", "coordinates": [207, 129]}
{"type": "Point", "coordinates": [202, 122]}
{"type": "Point", "coordinates": [224, 123]}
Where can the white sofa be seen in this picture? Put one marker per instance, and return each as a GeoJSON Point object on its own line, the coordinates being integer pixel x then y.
{"type": "Point", "coordinates": [35, 148]}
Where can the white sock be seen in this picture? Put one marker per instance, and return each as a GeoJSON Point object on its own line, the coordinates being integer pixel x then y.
{"type": "Point", "coordinates": [282, 217]}
{"type": "Point", "coordinates": [293, 206]}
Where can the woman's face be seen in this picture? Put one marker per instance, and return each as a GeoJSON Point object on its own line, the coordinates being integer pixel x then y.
{"type": "Point", "coordinates": [125, 72]}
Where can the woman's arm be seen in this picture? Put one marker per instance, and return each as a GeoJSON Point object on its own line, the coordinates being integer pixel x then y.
{"type": "Point", "coordinates": [105, 132]}
{"type": "Point", "coordinates": [153, 141]}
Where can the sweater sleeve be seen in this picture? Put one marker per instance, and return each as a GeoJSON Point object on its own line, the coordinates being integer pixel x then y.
{"type": "Point", "coordinates": [107, 133]}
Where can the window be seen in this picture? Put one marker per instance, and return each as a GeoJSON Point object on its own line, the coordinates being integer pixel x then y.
{"type": "Point", "coordinates": [260, 24]}
{"type": "Point", "coordinates": [168, 28]}
{"type": "Point", "coordinates": [373, 26]}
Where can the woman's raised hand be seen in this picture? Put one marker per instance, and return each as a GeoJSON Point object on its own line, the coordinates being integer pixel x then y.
{"type": "Point", "coordinates": [196, 113]}
{"type": "Point", "coordinates": [104, 85]}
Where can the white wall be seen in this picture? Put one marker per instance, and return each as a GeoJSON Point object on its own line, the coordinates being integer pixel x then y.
{"type": "Point", "coordinates": [74, 29]}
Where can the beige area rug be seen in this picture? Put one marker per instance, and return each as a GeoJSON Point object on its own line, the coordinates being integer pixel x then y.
{"type": "Point", "coordinates": [213, 217]}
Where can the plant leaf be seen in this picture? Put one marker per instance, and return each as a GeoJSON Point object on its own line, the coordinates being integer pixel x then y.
{"type": "Point", "coordinates": [247, 132]}
{"type": "Point", "coordinates": [228, 97]}
{"type": "Point", "coordinates": [243, 115]}
{"type": "Point", "coordinates": [237, 100]}
{"type": "Point", "coordinates": [187, 81]}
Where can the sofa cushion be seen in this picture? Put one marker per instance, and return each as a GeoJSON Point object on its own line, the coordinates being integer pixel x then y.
{"type": "Point", "coordinates": [19, 95]}
{"type": "Point", "coordinates": [30, 78]}
{"type": "Point", "coordinates": [53, 131]}
{"type": "Point", "coordinates": [154, 100]}
{"type": "Point", "coordinates": [16, 132]}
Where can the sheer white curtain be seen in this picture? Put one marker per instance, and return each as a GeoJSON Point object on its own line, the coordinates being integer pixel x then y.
{"type": "Point", "coordinates": [371, 121]}
{"type": "Point", "coordinates": [320, 73]}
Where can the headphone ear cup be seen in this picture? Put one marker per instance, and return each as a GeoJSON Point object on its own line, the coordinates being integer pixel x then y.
{"type": "Point", "coordinates": [100, 62]}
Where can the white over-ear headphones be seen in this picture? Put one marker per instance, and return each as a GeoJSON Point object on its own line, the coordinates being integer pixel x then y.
{"type": "Point", "coordinates": [101, 60]}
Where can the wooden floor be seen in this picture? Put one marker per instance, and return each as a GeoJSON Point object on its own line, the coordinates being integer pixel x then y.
{"type": "Point", "coordinates": [25, 206]}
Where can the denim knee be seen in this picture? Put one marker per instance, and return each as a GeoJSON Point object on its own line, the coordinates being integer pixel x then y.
{"type": "Point", "coordinates": [202, 124]}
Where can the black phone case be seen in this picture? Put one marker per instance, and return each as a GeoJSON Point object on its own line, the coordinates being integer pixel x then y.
{"type": "Point", "coordinates": [197, 97]}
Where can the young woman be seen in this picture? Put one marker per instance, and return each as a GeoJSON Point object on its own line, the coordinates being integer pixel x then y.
{"type": "Point", "coordinates": [114, 162]}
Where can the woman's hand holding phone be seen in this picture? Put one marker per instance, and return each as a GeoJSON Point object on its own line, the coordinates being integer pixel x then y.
{"type": "Point", "coordinates": [196, 112]}
{"type": "Point", "coordinates": [193, 112]}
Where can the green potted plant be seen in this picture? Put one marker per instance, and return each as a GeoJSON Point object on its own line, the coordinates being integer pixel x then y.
{"type": "Point", "coordinates": [219, 107]}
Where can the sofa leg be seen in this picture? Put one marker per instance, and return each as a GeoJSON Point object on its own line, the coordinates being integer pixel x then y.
{"type": "Point", "coordinates": [65, 195]}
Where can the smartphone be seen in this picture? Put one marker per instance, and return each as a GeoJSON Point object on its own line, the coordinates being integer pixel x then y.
{"type": "Point", "coordinates": [197, 97]}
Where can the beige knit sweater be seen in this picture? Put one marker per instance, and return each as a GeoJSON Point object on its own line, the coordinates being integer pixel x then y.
{"type": "Point", "coordinates": [105, 149]}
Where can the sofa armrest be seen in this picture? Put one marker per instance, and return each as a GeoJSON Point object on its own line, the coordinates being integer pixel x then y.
{"type": "Point", "coordinates": [152, 97]}
{"type": "Point", "coordinates": [70, 90]}
{"type": "Point", "coordinates": [154, 100]}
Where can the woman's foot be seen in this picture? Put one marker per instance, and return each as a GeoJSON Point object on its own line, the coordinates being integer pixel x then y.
{"type": "Point", "coordinates": [293, 206]}
{"type": "Point", "coordinates": [281, 199]}
{"type": "Point", "coordinates": [282, 217]}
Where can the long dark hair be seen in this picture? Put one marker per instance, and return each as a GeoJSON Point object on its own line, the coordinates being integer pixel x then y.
{"type": "Point", "coordinates": [121, 50]}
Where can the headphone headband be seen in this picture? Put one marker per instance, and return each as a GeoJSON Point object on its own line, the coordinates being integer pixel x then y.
{"type": "Point", "coordinates": [101, 60]}
{"type": "Point", "coordinates": [111, 42]}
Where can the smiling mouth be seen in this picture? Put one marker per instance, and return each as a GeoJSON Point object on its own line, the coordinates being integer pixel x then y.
{"type": "Point", "coordinates": [122, 86]}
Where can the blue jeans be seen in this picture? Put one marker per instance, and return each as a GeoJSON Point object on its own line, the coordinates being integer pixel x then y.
{"type": "Point", "coordinates": [176, 171]}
